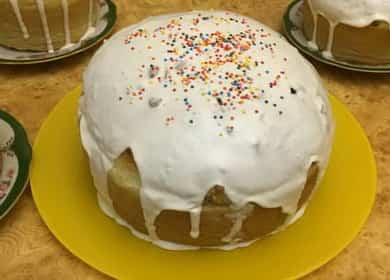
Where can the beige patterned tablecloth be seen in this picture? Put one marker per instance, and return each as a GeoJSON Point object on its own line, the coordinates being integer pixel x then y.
{"type": "Point", "coordinates": [29, 251]}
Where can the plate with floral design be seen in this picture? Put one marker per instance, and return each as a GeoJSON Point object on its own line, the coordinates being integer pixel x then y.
{"type": "Point", "coordinates": [15, 158]}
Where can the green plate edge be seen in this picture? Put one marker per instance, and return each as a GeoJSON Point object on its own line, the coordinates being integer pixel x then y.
{"type": "Point", "coordinates": [111, 19]}
{"type": "Point", "coordinates": [288, 25]}
{"type": "Point", "coordinates": [23, 152]}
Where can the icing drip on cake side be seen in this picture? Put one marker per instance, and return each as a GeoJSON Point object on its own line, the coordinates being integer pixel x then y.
{"type": "Point", "coordinates": [91, 27]}
{"type": "Point", "coordinates": [195, 222]}
{"type": "Point", "coordinates": [238, 219]}
{"type": "Point", "coordinates": [45, 25]}
{"type": "Point", "coordinates": [356, 13]}
{"type": "Point", "coordinates": [22, 26]}
{"type": "Point", "coordinates": [329, 45]}
{"type": "Point", "coordinates": [68, 40]}
{"type": "Point", "coordinates": [313, 42]}
{"type": "Point", "coordinates": [228, 98]}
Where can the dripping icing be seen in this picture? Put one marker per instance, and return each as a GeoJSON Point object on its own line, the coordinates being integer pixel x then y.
{"type": "Point", "coordinates": [329, 45]}
{"type": "Point", "coordinates": [22, 25]}
{"type": "Point", "coordinates": [45, 26]}
{"type": "Point", "coordinates": [313, 42]}
{"type": "Point", "coordinates": [65, 8]}
{"type": "Point", "coordinates": [195, 222]}
{"type": "Point", "coordinates": [150, 211]}
{"type": "Point", "coordinates": [42, 13]}
{"type": "Point", "coordinates": [91, 28]}
{"type": "Point", "coordinates": [110, 211]}
{"type": "Point", "coordinates": [238, 218]}
{"type": "Point", "coordinates": [354, 13]}
{"type": "Point", "coordinates": [154, 199]}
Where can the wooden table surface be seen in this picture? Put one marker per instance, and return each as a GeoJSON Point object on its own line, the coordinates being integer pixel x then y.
{"type": "Point", "coordinates": [29, 251]}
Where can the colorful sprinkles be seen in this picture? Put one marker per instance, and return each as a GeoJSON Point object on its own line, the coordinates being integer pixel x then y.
{"type": "Point", "coordinates": [217, 65]}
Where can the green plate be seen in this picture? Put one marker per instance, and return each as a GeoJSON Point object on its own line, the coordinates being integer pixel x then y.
{"type": "Point", "coordinates": [106, 22]}
{"type": "Point", "coordinates": [293, 26]}
{"type": "Point", "coordinates": [15, 160]}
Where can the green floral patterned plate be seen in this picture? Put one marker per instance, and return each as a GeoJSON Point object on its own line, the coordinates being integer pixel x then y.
{"type": "Point", "coordinates": [15, 158]}
{"type": "Point", "coordinates": [106, 22]}
{"type": "Point", "coordinates": [292, 25]}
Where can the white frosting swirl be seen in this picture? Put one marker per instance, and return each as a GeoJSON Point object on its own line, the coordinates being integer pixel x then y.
{"type": "Point", "coordinates": [205, 99]}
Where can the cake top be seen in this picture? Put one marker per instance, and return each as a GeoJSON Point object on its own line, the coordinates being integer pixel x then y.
{"type": "Point", "coordinates": [358, 13]}
{"type": "Point", "coordinates": [205, 99]}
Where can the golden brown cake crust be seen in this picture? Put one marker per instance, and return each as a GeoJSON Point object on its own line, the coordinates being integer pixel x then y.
{"type": "Point", "coordinates": [217, 211]}
{"type": "Point", "coordinates": [11, 35]}
{"type": "Point", "coordinates": [367, 45]}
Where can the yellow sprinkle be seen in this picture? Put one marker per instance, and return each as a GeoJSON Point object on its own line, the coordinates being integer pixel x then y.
{"type": "Point", "coordinates": [221, 134]}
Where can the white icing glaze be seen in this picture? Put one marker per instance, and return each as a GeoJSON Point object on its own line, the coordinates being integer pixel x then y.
{"type": "Point", "coordinates": [260, 156]}
{"type": "Point", "coordinates": [110, 211]}
{"type": "Point", "coordinates": [68, 40]}
{"type": "Point", "coordinates": [91, 28]}
{"type": "Point", "coordinates": [90, 31]}
{"type": "Point", "coordinates": [357, 13]}
{"type": "Point", "coordinates": [107, 208]}
{"type": "Point", "coordinates": [329, 45]}
{"type": "Point", "coordinates": [238, 218]}
{"type": "Point", "coordinates": [45, 25]}
{"type": "Point", "coordinates": [46, 29]}
{"type": "Point", "coordinates": [22, 25]}
{"type": "Point", "coordinates": [313, 42]}
{"type": "Point", "coordinates": [195, 222]}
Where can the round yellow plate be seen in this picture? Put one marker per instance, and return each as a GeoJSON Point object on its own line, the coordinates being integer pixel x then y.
{"type": "Point", "coordinates": [66, 199]}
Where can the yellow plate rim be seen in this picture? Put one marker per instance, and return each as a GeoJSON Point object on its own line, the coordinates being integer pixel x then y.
{"type": "Point", "coordinates": [311, 268]}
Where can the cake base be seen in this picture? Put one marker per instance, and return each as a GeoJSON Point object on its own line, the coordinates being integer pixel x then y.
{"type": "Point", "coordinates": [221, 223]}
{"type": "Point", "coordinates": [109, 210]}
